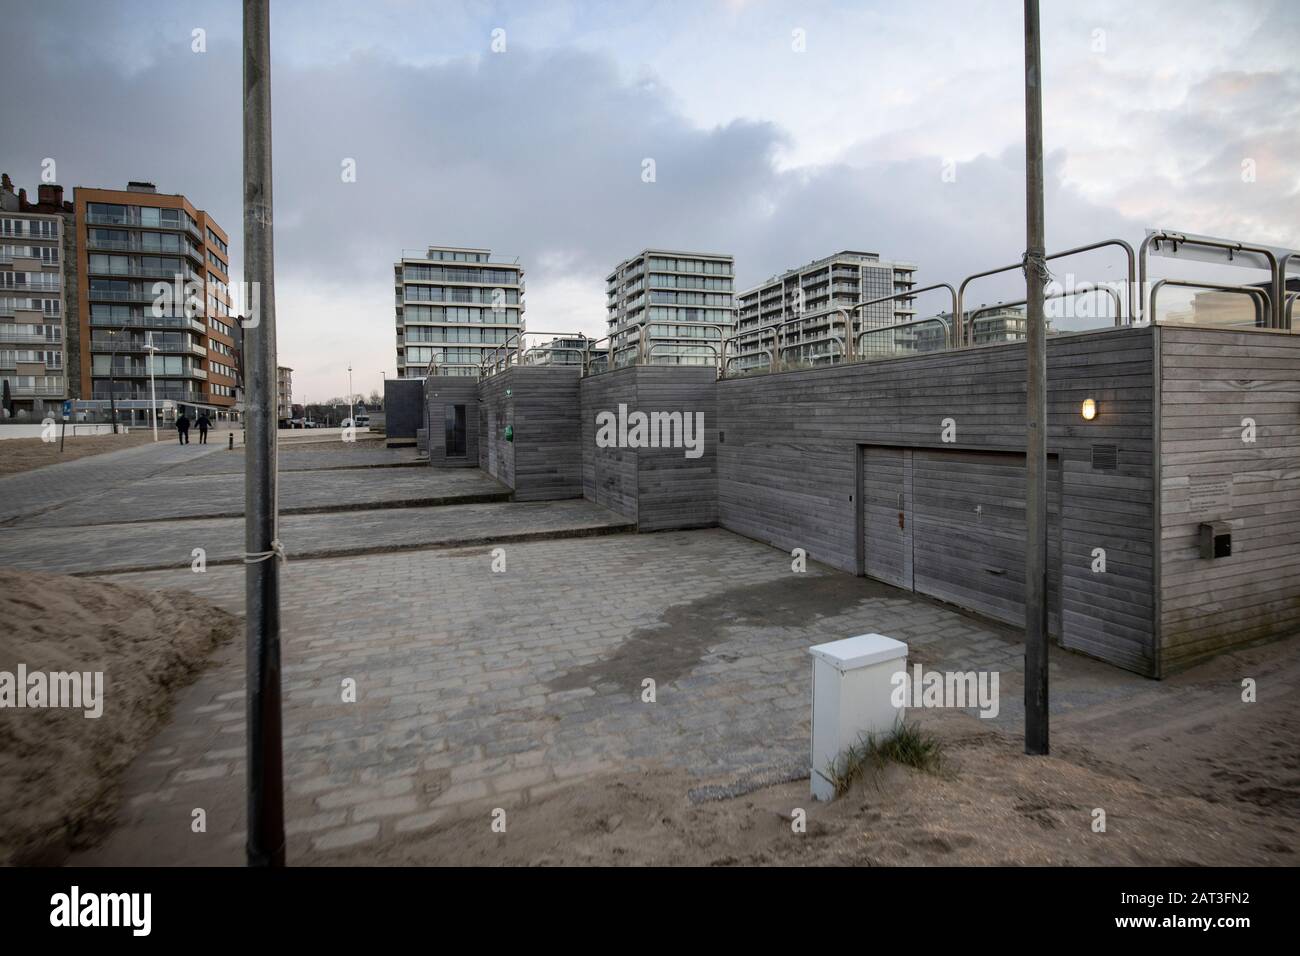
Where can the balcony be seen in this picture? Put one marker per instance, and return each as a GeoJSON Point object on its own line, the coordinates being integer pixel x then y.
{"type": "Point", "coordinates": [36, 391]}
{"type": "Point", "coordinates": [99, 219]}
{"type": "Point", "coordinates": [31, 334]}
{"type": "Point", "coordinates": [150, 322]}
{"type": "Point", "coordinates": [134, 346]}
{"type": "Point", "coordinates": [143, 394]}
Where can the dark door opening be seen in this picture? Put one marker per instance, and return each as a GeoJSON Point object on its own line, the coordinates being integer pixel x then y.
{"type": "Point", "coordinates": [455, 431]}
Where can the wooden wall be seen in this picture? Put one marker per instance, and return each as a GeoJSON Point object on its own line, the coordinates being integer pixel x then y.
{"type": "Point", "coordinates": [659, 488]}
{"type": "Point", "coordinates": [441, 391]}
{"type": "Point", "coordinates": [609, 475]}
{"type": "Point", "coordinates": [788, 447]}
{"type": "Point", "coordinates": [544, 462]}
{"type": "Point", "coordinates": [1211, 380]}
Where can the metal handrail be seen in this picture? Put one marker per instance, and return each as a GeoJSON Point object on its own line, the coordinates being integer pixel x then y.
{"type": "Point", "coordinates": [1285, 301]}
{"type": "Point", "coordinates": [592, 354]}
{"type": "Point", "coordinates": [1263, 307]}
{"type": "Point", "coordinates": [1063, 294]}
{"type": "Point", "coordinates": [837, 339]}
{"type": "Point", "coordinates": [1230, 246]}
{"type": "Point", "coordinates": [781, 348]}
{"type": "Point", "coordinates": [662, 344]}
{"type": "Point", "coordinates": [581, 353]}
{"type": "Point", "coordinates": [905, 294]}
{"type": "Point", "coordinates": [1128, 252]}
{"type": "Point", "coordinates": [491, 361]}
{"type": "Point", "coordinates": [726, 362]}
{"type": "Point", "coordinates": [771, 353]}
{"type": "Point", "coordinates": [435, 369]}
{"type": "Point", "coordinates": [945, 323]}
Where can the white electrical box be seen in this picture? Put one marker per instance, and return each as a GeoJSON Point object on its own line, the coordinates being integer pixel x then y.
{"type": "Point", "coordinates": [852, 687]}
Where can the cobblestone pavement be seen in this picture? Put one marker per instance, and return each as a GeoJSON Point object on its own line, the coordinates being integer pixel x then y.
{"type": "Point", "coordinates": [311, 457]}
{"type": "Point", "coordinates": [221, 496]}
{"type": "Point", "coordinates": [154, 545]}
{"type": "Point", "coordinates": [477, 689]}
{"type": "Point", "coordinates": [42, 489]}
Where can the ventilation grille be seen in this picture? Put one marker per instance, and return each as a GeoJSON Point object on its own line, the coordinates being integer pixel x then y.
{"type": "Point", "coordinates": [1105, 457]}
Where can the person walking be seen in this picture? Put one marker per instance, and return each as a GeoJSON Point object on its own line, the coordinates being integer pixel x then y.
{"type": "Point", "coordinates": [182, 428]}
{"type": "Point", "coordinates": [204, 424]}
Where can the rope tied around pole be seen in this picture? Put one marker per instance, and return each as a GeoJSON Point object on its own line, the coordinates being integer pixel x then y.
{"type": "Point", "coordinates": [277, 551]}
{"type": "Point", "coordinates": [1040, 260]}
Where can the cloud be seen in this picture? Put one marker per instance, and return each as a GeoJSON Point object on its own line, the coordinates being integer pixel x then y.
{"type": "Point", "coordinates": [775, 157]}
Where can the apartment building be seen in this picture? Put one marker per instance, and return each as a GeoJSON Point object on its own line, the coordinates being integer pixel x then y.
{"type": "Point", "coordinates": [676, 301]}
{"type": "Point", "coordinates": [455, 305]}
{"type": "Point", "coordinates": [132, 244]}
{"type": "Point", "coordinates": [36, 295]}
{"type": "Point", "coordinates": [283, 394]}
{"type": "Point", "coordinates": [801, 303]}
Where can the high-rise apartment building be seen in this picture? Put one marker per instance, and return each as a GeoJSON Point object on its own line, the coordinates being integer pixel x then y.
{"type": "Point", "coordinates": [131, 245]}
{"type": "Point", "coordinates": [801, 304]}
{"type": "Point", "coordinates": [283, 393]}
{"type": "Point", "coordinates": [679, 299]}
{"type": "Point", "coordinates": [456, 305]}
{"type": "Point", "coordinates": [36, 295]}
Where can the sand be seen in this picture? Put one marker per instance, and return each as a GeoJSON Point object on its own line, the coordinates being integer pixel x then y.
{"type": "Point", "coordinates": [1186, 773]}
{"type": "Point", "coordinates": [58, 769]}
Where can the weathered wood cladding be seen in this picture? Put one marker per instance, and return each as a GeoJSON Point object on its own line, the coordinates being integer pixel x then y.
{"type": "Point", "coordinates": [609, 475]}
{"type": "Point", "coordinates": [544, 461]}
{"type": "Point", "coordinates": [788, 447]}
{"type": "Point", "coordinates": [440, 392]}
{"type": "Point", "coordinates": [659, 488]}
{"type": "Point", "coordinates": [1212, 381]}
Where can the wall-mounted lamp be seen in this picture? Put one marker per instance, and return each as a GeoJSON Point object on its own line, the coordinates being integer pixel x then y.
{"type": "Point", "coordinates": [1088, 409]}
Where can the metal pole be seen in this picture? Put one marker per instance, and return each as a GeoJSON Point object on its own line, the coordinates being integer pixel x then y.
{"type": "Point", "coordinates": [352, 399]}
{"type": "Point", "coordinates": [112, 380]}
{"type": "Point", "coordinates": [1036, 738]}
{"type": "Point", "coordinates": [153, 394]}
{"type": "Point", "coordinates": [265, 846]}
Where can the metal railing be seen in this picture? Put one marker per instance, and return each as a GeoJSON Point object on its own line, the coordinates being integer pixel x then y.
{"type": "Point", "coordinates": [1130, 257]}
{"type": "Point", "coordinates": [1277, 276]}
{"type": "Point", "coordinates": [1263, 302]}
{"type": "Point", "coordinates": [1085, 288]}
{"type": "Point", "coordinates": [944, 324]}
{"type": "Point", "coordinates": [636, 343]}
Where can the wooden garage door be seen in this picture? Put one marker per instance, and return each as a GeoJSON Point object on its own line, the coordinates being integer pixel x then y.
{"type": "Point", "coordinates": [886, 510]}
{"type": "Point", "coordinates": [963, 534]}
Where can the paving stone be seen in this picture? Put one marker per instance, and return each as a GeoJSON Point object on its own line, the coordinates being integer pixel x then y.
{"type": "Point", "coordinates": [346, 837]}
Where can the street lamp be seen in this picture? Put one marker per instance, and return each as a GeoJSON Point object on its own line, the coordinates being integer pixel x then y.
{"type": "Point", "coordinates": [153, 395]}
{"type": "Point", "coordinates": [352, 399]}
{"type": "Point", "coordinates": [112, 376]}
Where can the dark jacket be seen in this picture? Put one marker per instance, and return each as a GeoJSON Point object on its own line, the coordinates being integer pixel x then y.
{"type": "Point", "coordinates": [182, 423]}
{"type": "Point", "coordinates": [203, 423]}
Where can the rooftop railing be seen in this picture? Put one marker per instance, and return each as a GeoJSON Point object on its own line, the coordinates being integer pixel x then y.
{"type": "Point", "coordinates": [835, 335]}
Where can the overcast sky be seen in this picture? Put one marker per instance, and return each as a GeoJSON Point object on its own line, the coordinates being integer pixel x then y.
{"type": "Point", "coordinates": [1184, 115]}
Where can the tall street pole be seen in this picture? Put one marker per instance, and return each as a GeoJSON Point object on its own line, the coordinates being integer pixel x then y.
{"type": "Point", "coordinates": [1036, 738]}
{"type": "Point", "coordinates": [153, 392]}
{"type": "Point", "coordinates": [265, 845]}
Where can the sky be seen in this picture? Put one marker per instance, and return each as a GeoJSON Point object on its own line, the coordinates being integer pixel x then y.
{"type": "Point", "coordinates": [780, 132]}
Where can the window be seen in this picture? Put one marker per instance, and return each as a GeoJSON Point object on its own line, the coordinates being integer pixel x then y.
{"type": "Point", "coordinates": [455, 431]}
